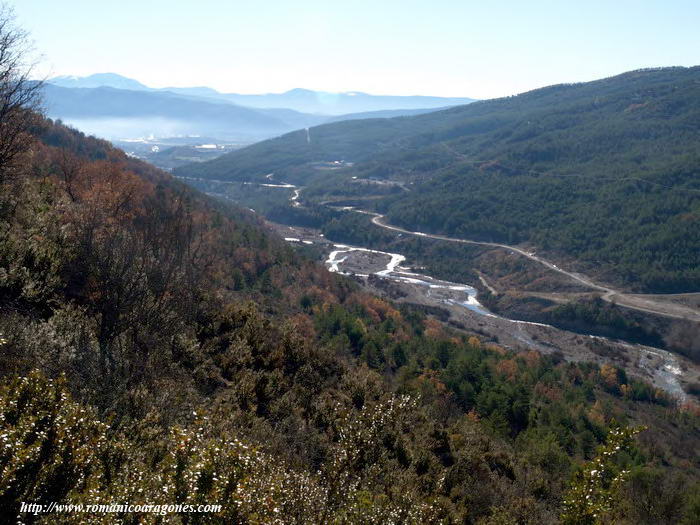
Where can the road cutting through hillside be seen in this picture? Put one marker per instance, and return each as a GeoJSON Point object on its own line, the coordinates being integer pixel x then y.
{"type": "Point", "coordinates": [660, 366]}
{"type": "Point", "coordinates": [370, 266]}
{"type": "Point", "coordinates": [647, 303]}
{"type": "Point", "coordinates": [642, 304]}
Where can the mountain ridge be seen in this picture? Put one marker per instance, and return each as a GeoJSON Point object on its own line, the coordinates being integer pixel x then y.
{"type": "Point", "coordinates": [527, 168]}
{"type": "Point", "coordinates": [119, 111]}
{"type": "Point", "coordinates": [299, 99]}
{"type": "Point", "coordinates": [141, 113]}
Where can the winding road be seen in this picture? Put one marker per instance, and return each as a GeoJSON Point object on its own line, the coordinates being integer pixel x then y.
{"type": "Point", "coordinates": [642, 304]}
{"type": "Point", "coordinates": [661, 366]}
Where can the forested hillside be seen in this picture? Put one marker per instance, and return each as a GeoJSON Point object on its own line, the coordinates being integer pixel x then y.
{"type": "Point", "coordinates": [158, 347]}
{"type": "Point", "coordinates": [606, 172]}
{"type": "Point", "coordinates": [134, 294]}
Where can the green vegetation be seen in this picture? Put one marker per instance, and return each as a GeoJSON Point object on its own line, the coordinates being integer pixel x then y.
{"type": "Point", "coordinates": [606, 172]}
{"type": "Point", "coordinates": [158, 347]}
{"type": "Point", "coordinates": [137, 368]}
{"type": "Point", "coordinates": [594, 492]}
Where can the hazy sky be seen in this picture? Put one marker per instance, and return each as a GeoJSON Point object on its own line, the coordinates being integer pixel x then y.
{"type": "Point", "coordinates": [434, 47]}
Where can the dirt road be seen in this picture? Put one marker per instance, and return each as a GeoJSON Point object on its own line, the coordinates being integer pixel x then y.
{"type": "Point", "coordinates": [654, 304]}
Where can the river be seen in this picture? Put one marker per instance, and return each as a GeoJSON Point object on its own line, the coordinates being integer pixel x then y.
{"type": "Point", "coordinates": [661, 367]}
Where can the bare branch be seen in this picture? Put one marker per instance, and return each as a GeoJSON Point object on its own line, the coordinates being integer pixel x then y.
{"type": "Point", "coordinates": [19, 95]}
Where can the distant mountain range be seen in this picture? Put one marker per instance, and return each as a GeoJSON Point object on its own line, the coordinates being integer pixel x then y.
{"type": "Point", "coordinates": [302, 100]}
{"type": "Point", "coordinates": [123, 113]}
{"type": "Point", "coordinates": [99, 80]}
{"type": "Point", "coordinates": [115, 107]}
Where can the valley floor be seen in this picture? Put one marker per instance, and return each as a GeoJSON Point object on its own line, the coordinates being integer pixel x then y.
{"type": "Point", "coordinates": [382, 273]}
{"type": "Point", "coordinates": [658, 304]}
{"type": "Point", "coordinates": [457, 304]}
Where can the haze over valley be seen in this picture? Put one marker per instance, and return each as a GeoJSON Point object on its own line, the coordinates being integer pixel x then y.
{"type": "Point", "coordinates": [123, 110]}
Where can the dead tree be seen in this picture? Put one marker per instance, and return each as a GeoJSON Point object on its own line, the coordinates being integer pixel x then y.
{"type": "Point", "coordinates": [19, 94]}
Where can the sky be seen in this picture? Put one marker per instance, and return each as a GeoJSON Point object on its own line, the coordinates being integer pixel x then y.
{"type": "Point", "coordinates": [482, 49]}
